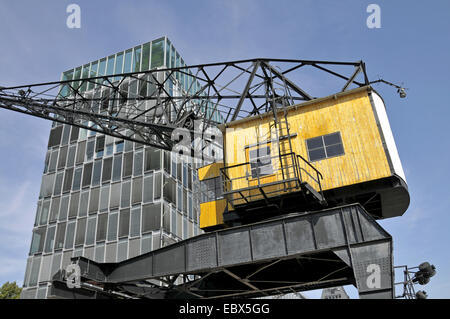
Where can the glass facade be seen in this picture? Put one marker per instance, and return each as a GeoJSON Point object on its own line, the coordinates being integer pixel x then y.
{"type": "Point", "coordinates": [104, 198]}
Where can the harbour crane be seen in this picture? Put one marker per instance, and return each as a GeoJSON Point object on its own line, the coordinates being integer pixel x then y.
{"type": "Point", "coordinates": [283, 191]}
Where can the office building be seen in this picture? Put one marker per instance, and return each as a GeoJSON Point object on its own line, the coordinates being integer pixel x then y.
{"type": "Point", "coordinates": [105, 198]}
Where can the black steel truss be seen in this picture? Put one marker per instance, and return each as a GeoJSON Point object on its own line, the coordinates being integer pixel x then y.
{"type": "Point", "coordinates": [147, 106]}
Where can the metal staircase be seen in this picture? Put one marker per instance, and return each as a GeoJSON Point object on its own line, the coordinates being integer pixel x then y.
{"type": "Point", "coordinates": [291, 184]}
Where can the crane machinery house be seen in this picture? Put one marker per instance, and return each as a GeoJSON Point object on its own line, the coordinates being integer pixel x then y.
{"type": "Point", "coordinates": [324, 152]}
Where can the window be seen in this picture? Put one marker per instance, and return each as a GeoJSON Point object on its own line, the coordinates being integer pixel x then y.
{"type": "Point", "coordinates": [124, 223]}
{"type": "Point", "coordinates": [71, 156]}
{"type": "Point", "coordinates": [53, 161]}
{"type": "Point", "coordinates": [117, 168]}
{"type": "Point", "coordinates": [68, 180]}
{"type": "Point", "coordinates": [63, 210]}
{"type": "Point", "coordinates": [166, 218]}
{"type": "Point", "coordinates": [90, 150]}
{"type": "Point", "coordinates": [50, 239]}
{"type": "Point", "coordinates": [44, 212]}
{"type": "Point", "coordinates": [81, 231]}
{"type": "Point", "coordinates": [151, 217]}
{"type": "Point", "coordinates": [101, 227]}
{"type": "Point", "coordinates": [93, 201]}
{"type": "Point", "coordinates": [84, 201]}
{"type": "Point", "coordinates": [47, 160]}
{"type": "Point", "coordinates": [100, 146]}
{"type": "Point", "coordinates": [152, 159]}
{"type": "Point", "coordinates": [107, 167]}
{"type": "Point", "coordinates": [119, 63]}
{"type": "Point", "coordinates": [146, 57]}
{"type": "Point", "coordinates": [127, 164]}
{"type": "Point", "coordinates": [99, 253]}
{"type": "Point", "coordinates": [179, 197]}
{"type": "Point", "coordinates": [136, 195]}
{"type": "Point", "coordinates": [119, 146]}
{"type": "Point", "coordinates": [62, 157]}
{"type": "Point", "coordinates": [127, 65]}
{"type": "Point", "coordinates": [80, 152]}
{"type": "Point", "coordinates": [157, 53]}
{"type": "Point", "coordinates": [97, 173]}
{"type": "Point", "coordinates": [83, 132]}
{"type": "Point", "coordinates": [74, 134]}
{"type": "Point", "coordinates": [126, 192]}
{"type": "Point", "coordinates": [137, 59]}
{"type": "Point", "coordinates": [169, 191]}
{"type": "Point", "coordinates": [174, 221]}
{"type": "Point", "coordinates": [146, 244]}
{"type": "Point", "coordinates": [190, 207]}
{"type": "Point", "coordinates": [148, 189]}
{"type": "Point", "coordinates": [58, 183]}
{"type": "Point", "coordinates": [128, 144]}
{"type": "Point", "coordinates": [260, 162]}
{"type": "Point", "coordinates": [90, 234]}
{"type": "Point", "coordinates": [70, 233]}
{"type": "Point", "coordinates": [325, 146]}
{"type": "Point", "coordinates": [73, 208]}
{"type": "Point", "coordinates": [104, 198]}
{"type": "Point", "coordinates": [114, 200]}
{"type": "Point", "coordinates": [185, 177]}
{"type": "Point", "coordinates": [112, 226]}
{"type": "Point", "coordinates": [166, 161]}
{"type": "Point", "coordinates": [35, 271]}
{"type": "Point", "coordinates": [110, 65]}
{"type": "Point", "coordinates": [66, 135]}
{"type": "Point", "coordinates": [135, 222]}
{"type": "Point", "coordinates": [55, 136]}
{"type": "Point", "coordinates": [60, 234]}
{"type": "Point", "coordinates": [157, 185]}
{"type": "Point", "coordinates": [109, 148]}
{"type": "Point", "coordinates": [37, 243]}
{"type": "Point", "coordinates": [55, 209]}
{"type": "Point", "coordinates": [122, 250]}
{"type": "Point", "coordinates": [77, 179]}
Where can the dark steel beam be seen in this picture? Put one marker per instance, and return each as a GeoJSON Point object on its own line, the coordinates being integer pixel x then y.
{"type": "Point", "coordinates": [245, 92]}
{"type": "Point", "coordinates": [352, 78]}
{"type": "Point", "coordinates": [153, 114]}
{"type": "Point", "coordinates": [291, 84]}
{"type": "Point", "coordinates": [357, 246]}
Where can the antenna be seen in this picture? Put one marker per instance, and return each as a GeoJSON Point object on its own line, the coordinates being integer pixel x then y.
{"type": "Point", "coordinates": [400, 90]}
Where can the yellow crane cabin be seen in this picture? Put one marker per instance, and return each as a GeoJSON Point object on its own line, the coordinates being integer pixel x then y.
{"type": "Point", "coordinates": [325, 152]}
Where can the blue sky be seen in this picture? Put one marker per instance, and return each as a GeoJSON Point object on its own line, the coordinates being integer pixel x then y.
{"type": "Point", "coordinates": [411, 46]}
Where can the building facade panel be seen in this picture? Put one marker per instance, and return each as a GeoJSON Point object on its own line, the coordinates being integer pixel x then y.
{"type": "Point", "coordinates": [108, 199]}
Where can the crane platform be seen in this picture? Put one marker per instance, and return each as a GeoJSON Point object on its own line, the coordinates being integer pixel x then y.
{"type": "Point", "coordinates": [296, 252]}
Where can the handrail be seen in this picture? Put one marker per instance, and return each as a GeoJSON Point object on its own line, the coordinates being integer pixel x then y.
{"type": "Point", "coordinates": [292, 167]}
{"type": "Point", "coordinates": [318, 173]}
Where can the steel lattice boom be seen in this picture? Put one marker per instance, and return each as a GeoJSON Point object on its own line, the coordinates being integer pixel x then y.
{"type": "Point", "coordinates": [147, 107]}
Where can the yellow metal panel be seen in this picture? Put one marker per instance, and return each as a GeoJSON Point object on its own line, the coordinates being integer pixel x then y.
{"type": "Point", "coordinates": [351, 115]}
{"type": "Point", "coordinates": [209, 171]}
{"type": "Point", "coordinates": [211, 213]}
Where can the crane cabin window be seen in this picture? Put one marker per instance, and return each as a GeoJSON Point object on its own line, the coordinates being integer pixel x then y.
{"type": "Point", "coordinates": [325, 146]}
{"type": "Point", "coordinates": [260, 162]}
